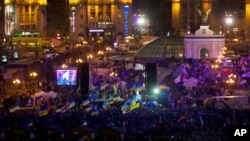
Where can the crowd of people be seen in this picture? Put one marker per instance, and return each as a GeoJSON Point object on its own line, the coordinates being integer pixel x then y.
{"type": "Point", "coordinates": [144, 123]}
{"type": "Point", "coordinates": [175, 120]}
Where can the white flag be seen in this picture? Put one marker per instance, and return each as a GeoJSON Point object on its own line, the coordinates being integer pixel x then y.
{"type": "Point", "coordinates": [177, 79]}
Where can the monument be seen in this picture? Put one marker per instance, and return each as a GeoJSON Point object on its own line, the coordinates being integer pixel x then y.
{"type": "Point", "coordinates": [204, 43]}
{"type": "Point", "coordinates": [204, 16]}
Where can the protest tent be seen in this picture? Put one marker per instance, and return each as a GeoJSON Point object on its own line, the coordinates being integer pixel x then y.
{"type": "Point", "coordinates": [42, 96]}
{"type": "Point", "coordinates": [190, 82]}
{"type": "Point", "coordinates": [246, 75]}
{"type": "Point", "coordinates": [45, 95]}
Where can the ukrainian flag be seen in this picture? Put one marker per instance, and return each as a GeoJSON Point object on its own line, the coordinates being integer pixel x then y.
{"type": "Point", "coordinates": [14, 107]}
{"type": "Point", "coordinates": [89, 108]}
{"type": "Point", "coordinates": [72, 103]}
{"type": "Point", "coordinates": [44, 110]}
{"type": "Point", "coordinates": [105, 104]}
{"type": "Point", "coordinates": [85, 102]}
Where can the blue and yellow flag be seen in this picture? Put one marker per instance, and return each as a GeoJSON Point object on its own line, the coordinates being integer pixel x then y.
{"type": "Point", "coordinates": [14, 107]}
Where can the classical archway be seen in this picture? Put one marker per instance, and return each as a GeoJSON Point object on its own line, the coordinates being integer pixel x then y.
{"type": "Point", "coordinates": [204, 53]}
{"type": "Point", "coordinates": [204, 44]}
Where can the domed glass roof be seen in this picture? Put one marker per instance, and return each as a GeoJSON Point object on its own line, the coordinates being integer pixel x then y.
{"type": "Point", "coordinates": [162, 48]}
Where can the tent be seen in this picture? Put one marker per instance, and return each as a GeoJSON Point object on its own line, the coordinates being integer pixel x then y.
{"type": "Point", "coordinates": [42, 96]}
{"type": "Point", "coordinates": [45, 95]}
{"type": "Point", "coordinates": [246, 75]}
{"type": "Point", "coordinates": [192, 81]}
{"type": "Point", "coordinates": [129, 38]}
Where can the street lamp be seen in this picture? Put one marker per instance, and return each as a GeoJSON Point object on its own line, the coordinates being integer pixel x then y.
{"type": "Point", "coordinates": [79, 61]}
{"type": "Point", "coordinates": [101, 54]}
{"type": "Point", "coordinates": [108, 50]}
{"type": "Point", "coordinates": [140, 24]}
{"type": "Point", "coordinates": [64, 66]}
{"type": "Point", "coordinates": [85, 43]}
{"type": "Point", "coordinates": [231, 81]}
{"type": "Point", "coordinates": [16, 82]}
{"type": "Point", "coordinates": [33, 75]}
{"type": "Point", "coordinates": [90, 56]}
{"type": "Point", "coordinates": [229, 22]}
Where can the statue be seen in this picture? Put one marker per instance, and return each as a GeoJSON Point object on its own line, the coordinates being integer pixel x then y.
{"type": "Point", "coordinates": [204, 16]}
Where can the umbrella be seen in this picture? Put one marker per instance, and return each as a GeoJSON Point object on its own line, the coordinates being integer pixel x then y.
{"type": "Point", "coordinates": [129, 38]}
{"type": "Point", "coordinates": [192, 81]}
{"type": "Point", "coordinates": [246, 75]}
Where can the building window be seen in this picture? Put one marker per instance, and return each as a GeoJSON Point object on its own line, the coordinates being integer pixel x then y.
{"type": "Point", "coordinates": [92, 15]}
{"type": "Point", "coordinates": [26, 8]}
{"type": "Point", "coordinates": [108, 16]}
{"type": "Point", "coordinates": [100, 7]}
{"type": "Point", "coordinates": [100, 16]}
{"type": "Point", "coordinates": [20, 9]}
{"type": "Point", "coordinates": [33, 8]}
{"type": "Point", "coordinates": [81, 16]}
{"type": "Point", "coordinates": [108, 8]}
{"type": "Point", "coordinates": [81, 25]}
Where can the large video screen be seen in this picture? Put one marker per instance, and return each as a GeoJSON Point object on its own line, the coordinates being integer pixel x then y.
{"type": "Point", "coordinates": [66, 77]}
{"type": "Point", "coordinates": [4, 59]}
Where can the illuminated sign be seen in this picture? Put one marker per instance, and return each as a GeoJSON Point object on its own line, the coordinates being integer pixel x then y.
{"type": "Point", "coordinates": [96, 30]}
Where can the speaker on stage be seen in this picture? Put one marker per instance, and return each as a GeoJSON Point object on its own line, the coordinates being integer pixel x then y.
{"type": "Point", "coordinates": [84, 78]}
{"type": "Point", "coordinates": [151, 77]}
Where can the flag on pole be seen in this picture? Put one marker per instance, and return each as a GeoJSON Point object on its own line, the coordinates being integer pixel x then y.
{"type": "Point", "coordinates": [29, 102]}
{"type": "Point", "coordinates": [39, 98]}
{"type": "Point", "coordinates": [72, 103]}
{"type": "Point", "coordinates": [104, 86]}
{"type": "Point", "coordinates": [14, 107]}
{"type": "Point", "coordinates": [88, 108]}
{"type": "Point", "coordinates": [177, 79]}
{"type": "Point", "coordinates": [68, 105]}
{"type": "Point", "coordinates": [93, 113]}
{"type": "Point", "coordinates": [105, 104]}
{"type": "Point", "coordinates": [44, 109]}
{"type": "Point", "coordinates": [86, 102]}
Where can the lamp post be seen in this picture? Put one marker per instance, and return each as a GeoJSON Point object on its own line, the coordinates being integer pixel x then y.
{"type": "Point", "coordinates": [140, 24]}
{"type": "Point", "coordinates": [64, 66]}
{"type": "Point", "coordinates": [33, 75]}
{"type": "Point", "coordinates": [79, 62]}
{"type": "Point", "coordinates": [229, 22]}
{"type": "Point", "coordinates": [89, 57]}
{"type": "Point", "coordinates": [101, 54]}
{"type": "Point", "coordinates": [231, 81]}
{"type": "Point", "coordinates": [108, 50]}
{"type": "Point", "coordinates": [16, 82]}
{"type": "Point", "coordinates": [85, 43]}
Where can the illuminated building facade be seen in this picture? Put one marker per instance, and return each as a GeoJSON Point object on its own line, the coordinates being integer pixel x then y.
{"type": "Point", "coordinates": [2, 20]}
{"type": "Point", "coordinates": [100, 21]}
{"type": "Point", "coordinates": [185, 15]}
{"type": "Point", "coordinates": [25, 22]}
{"type": "Point", "coordinates": [92, 20]}
{"type": "Point", "coordinates": [179, 16]}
